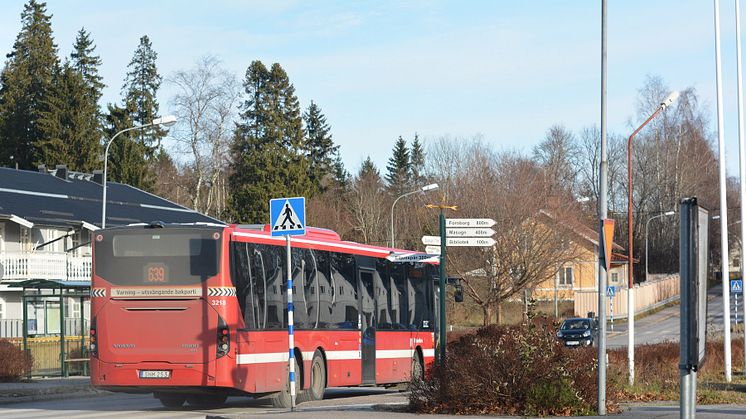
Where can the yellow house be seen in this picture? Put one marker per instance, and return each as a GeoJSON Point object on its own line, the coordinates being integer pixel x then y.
{"type": "Point", "coordinates": [581, 274]}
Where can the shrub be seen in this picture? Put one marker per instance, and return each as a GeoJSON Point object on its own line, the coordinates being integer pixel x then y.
{"type": "Point", "coordinates": [511, 370]}
{"type": "Point", "coordinates": [14, 363]}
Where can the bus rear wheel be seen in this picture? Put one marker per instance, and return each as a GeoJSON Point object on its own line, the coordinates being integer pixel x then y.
{"type": "Point", "coordinates": [316, 389]}
{"type": "Point", "coordinates": [170, 400]}
{"type": "Point", "coordinates": [282, 398]}
{"type": "Point", "coordinates": [206, 400]}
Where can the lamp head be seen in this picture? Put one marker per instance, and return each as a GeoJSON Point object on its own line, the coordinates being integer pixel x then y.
{"type": "Point", "coordinates": [429, 187]}
{"type": "Point", "coordinates": [669, 213]}
{"type": "Point", "coordinates": [166, 121]}
{"type": "Point", "coordinates": [670, 99]}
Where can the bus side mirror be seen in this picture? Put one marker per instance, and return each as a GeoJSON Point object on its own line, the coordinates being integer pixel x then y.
{"type": "Point", "coordinates": [458, 294]}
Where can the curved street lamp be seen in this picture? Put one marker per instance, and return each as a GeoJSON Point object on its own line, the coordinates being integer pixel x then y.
{"type": "Point", "coordinates": [423, 189]}
{"type": "Point", "coordinates": [647, 224]}
{"type": "Point", "coordinates": [631, 283]}
{"type": "Point", "coordinates": [167, 121]}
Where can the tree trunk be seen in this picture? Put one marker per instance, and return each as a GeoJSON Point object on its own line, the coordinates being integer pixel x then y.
{"type": "Point", "coordinates": [486, 314]}
{"type": "Point", "coordinates": [498, 312]}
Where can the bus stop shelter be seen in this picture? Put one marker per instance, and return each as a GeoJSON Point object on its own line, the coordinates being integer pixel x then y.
{"type": "Point", "coordinates": [46, 290]}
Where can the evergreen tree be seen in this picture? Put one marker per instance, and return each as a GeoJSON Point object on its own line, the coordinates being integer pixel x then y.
{"type": "Point", "coordinates": [368, 169]}
{"type": "Point", "coordinates": [341, 175]}
{"type": "Point", "coordinates": [268, 145]}
{"type": "Point", "coordinates": [398, 169]}
{"type": "Point", "coordinates": [321, 150]}
{"type": "Point", "coordinates": [24, 82]}
{"type": "Point", "coordinates": [127, 162]}
{"type": "Point", "coordinates": [69, 123]}
{"type": "Point", "coordinates": [87, 64]}
{"type": "Point", "coordinates": [140, 88]}
{"type": "Point", "coordinates": [417, 161]}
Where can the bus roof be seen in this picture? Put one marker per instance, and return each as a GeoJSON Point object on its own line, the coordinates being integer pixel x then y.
{"type": "Point", "coordinates": [319, 237]}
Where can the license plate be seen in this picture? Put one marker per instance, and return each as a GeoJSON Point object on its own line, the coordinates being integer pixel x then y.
{"type": "Point", "coordinates": [155, 374]}
{"type": "Point", "coordinates": [572, 342]}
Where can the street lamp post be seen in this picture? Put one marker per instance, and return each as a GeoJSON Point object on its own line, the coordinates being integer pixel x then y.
{"type": "Point", "coordinates": [647, 224]}
{"type": "Point", "coordinates": [423, 189]}
{"type": "Point", "coordinates": [165, 121]}
{"type": "Point", "coordinates": [631, 284]}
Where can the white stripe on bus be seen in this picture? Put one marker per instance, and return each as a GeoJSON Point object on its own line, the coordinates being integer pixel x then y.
{"type": "Point", "coordinates": [265, 358]}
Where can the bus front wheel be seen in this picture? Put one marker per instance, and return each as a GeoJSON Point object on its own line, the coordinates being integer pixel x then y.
{"type": "Point", "coordinates": [282, 398]}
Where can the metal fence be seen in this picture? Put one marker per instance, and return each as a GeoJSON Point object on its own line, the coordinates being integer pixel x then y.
{"type": "Point", "coordinates": [13, 328]}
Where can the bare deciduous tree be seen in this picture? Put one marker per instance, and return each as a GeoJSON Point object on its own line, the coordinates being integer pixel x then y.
{"type": "Point", "coordinates": [205, 105]}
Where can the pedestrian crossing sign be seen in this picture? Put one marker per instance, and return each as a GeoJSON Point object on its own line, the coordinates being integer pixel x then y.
{"type": "Point", "coordinates": [736, 286]}
{"type": "Point", "coordinates": [287, 216]}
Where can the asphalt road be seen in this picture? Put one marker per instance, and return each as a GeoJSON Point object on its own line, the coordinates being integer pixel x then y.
{"type": "Point", "coordinates": [664, 325]}
{"type": "Point", "coordinates": [340, 402]}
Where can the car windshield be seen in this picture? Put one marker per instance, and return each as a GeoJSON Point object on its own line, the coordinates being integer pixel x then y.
{"type": "Point", "coordinates": [576, 324]}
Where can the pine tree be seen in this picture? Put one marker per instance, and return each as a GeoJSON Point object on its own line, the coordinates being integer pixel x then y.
{"type": "Point", "coordinates": [398, 169]}
{"type": "Point", "coordinates": [368, 169]}
{"type": "Point", "coordinates": [87, 64]}
{"type": "Point", "coordinates": [268, 145]}
{"type": "Point", "coordinates": [24, 82]}
{"type": "Point", "coordinates": [69, 123]}
{"type": "Point", "coordinates": [417, 161]}
{"type": "Point", "coordinates": [321, 150]}
{"type": "Point", "coordinates": [140, 88]}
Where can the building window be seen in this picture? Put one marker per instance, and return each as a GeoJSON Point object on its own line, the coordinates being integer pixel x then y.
{"type": "Point", "coordinates": [76, 310]}
{"type": "Point", "coordinates": [615, 277]}
{"type": "Point", "coordinates": [25, 239]}
{"type": "Point", "coordinates": [565, 276]}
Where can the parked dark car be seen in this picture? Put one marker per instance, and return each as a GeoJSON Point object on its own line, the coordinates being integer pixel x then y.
{"type": "Point", "coordinates": [579, 331]}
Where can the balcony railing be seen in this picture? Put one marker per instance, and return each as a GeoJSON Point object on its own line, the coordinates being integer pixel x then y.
{"type": "Point", "coordinates": [43, 265]}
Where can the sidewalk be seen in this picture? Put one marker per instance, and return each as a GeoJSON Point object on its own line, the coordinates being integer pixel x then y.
{"type": "Point", "coordinates": [46, 389]}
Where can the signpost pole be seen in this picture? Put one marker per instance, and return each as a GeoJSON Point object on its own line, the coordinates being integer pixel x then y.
{"type": "Point", "coordinates": [442, 286]}
{"type": "Point", "coordinates": [291, 343]}
{"type": "Point", "coordinates": [287, 217]}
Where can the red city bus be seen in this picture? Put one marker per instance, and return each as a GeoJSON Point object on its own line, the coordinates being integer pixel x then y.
{"type": "Point", "coordinates": [198, 313]}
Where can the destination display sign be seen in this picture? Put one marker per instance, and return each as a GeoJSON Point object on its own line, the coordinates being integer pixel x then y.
{"type": "Point", "coordinates": [413, 257]}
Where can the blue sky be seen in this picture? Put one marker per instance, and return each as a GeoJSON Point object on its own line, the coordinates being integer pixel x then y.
{"type": "Point", "coordinates": [505, 70]}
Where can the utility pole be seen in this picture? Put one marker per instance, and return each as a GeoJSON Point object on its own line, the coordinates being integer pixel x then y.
{"type": "Point", "coordinates": [602, 213]}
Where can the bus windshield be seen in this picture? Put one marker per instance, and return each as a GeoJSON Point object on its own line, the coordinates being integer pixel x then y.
{"type": "Point", "coordinates": [164, 256]}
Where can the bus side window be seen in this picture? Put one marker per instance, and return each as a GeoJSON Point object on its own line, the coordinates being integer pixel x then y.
{"type": "Point", "coordinates": [398, 297]}
{"type": "Point", "coordinates": [420, 307]}
{"type": "Point", "coordinates": [259, 287]}
{"type": "Point", "coordinates": [382, 289]}
{"type": "Point", "coordinates": [326, 290]}
{"type": "Point", "coordinates": [276, 297]}
{"type": "Point", "coordinates": [345, 307]}
{"type": "Point", "coordinates": [240, 277]}
{"type": "Point", "coordinates": [311, 288]}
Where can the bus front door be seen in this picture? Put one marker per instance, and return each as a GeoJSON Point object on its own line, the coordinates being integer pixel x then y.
{"type": "Point", "coordinates": [367, 327]}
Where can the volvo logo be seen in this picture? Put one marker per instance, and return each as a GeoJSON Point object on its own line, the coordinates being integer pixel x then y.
{"type": "Point", "coordinates": [124, 345]}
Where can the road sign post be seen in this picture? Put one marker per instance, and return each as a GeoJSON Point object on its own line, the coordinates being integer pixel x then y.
{"type": "Point", "coordinates": [693, 268]}
{"type": "Point", "coordinates": [287, 217]}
